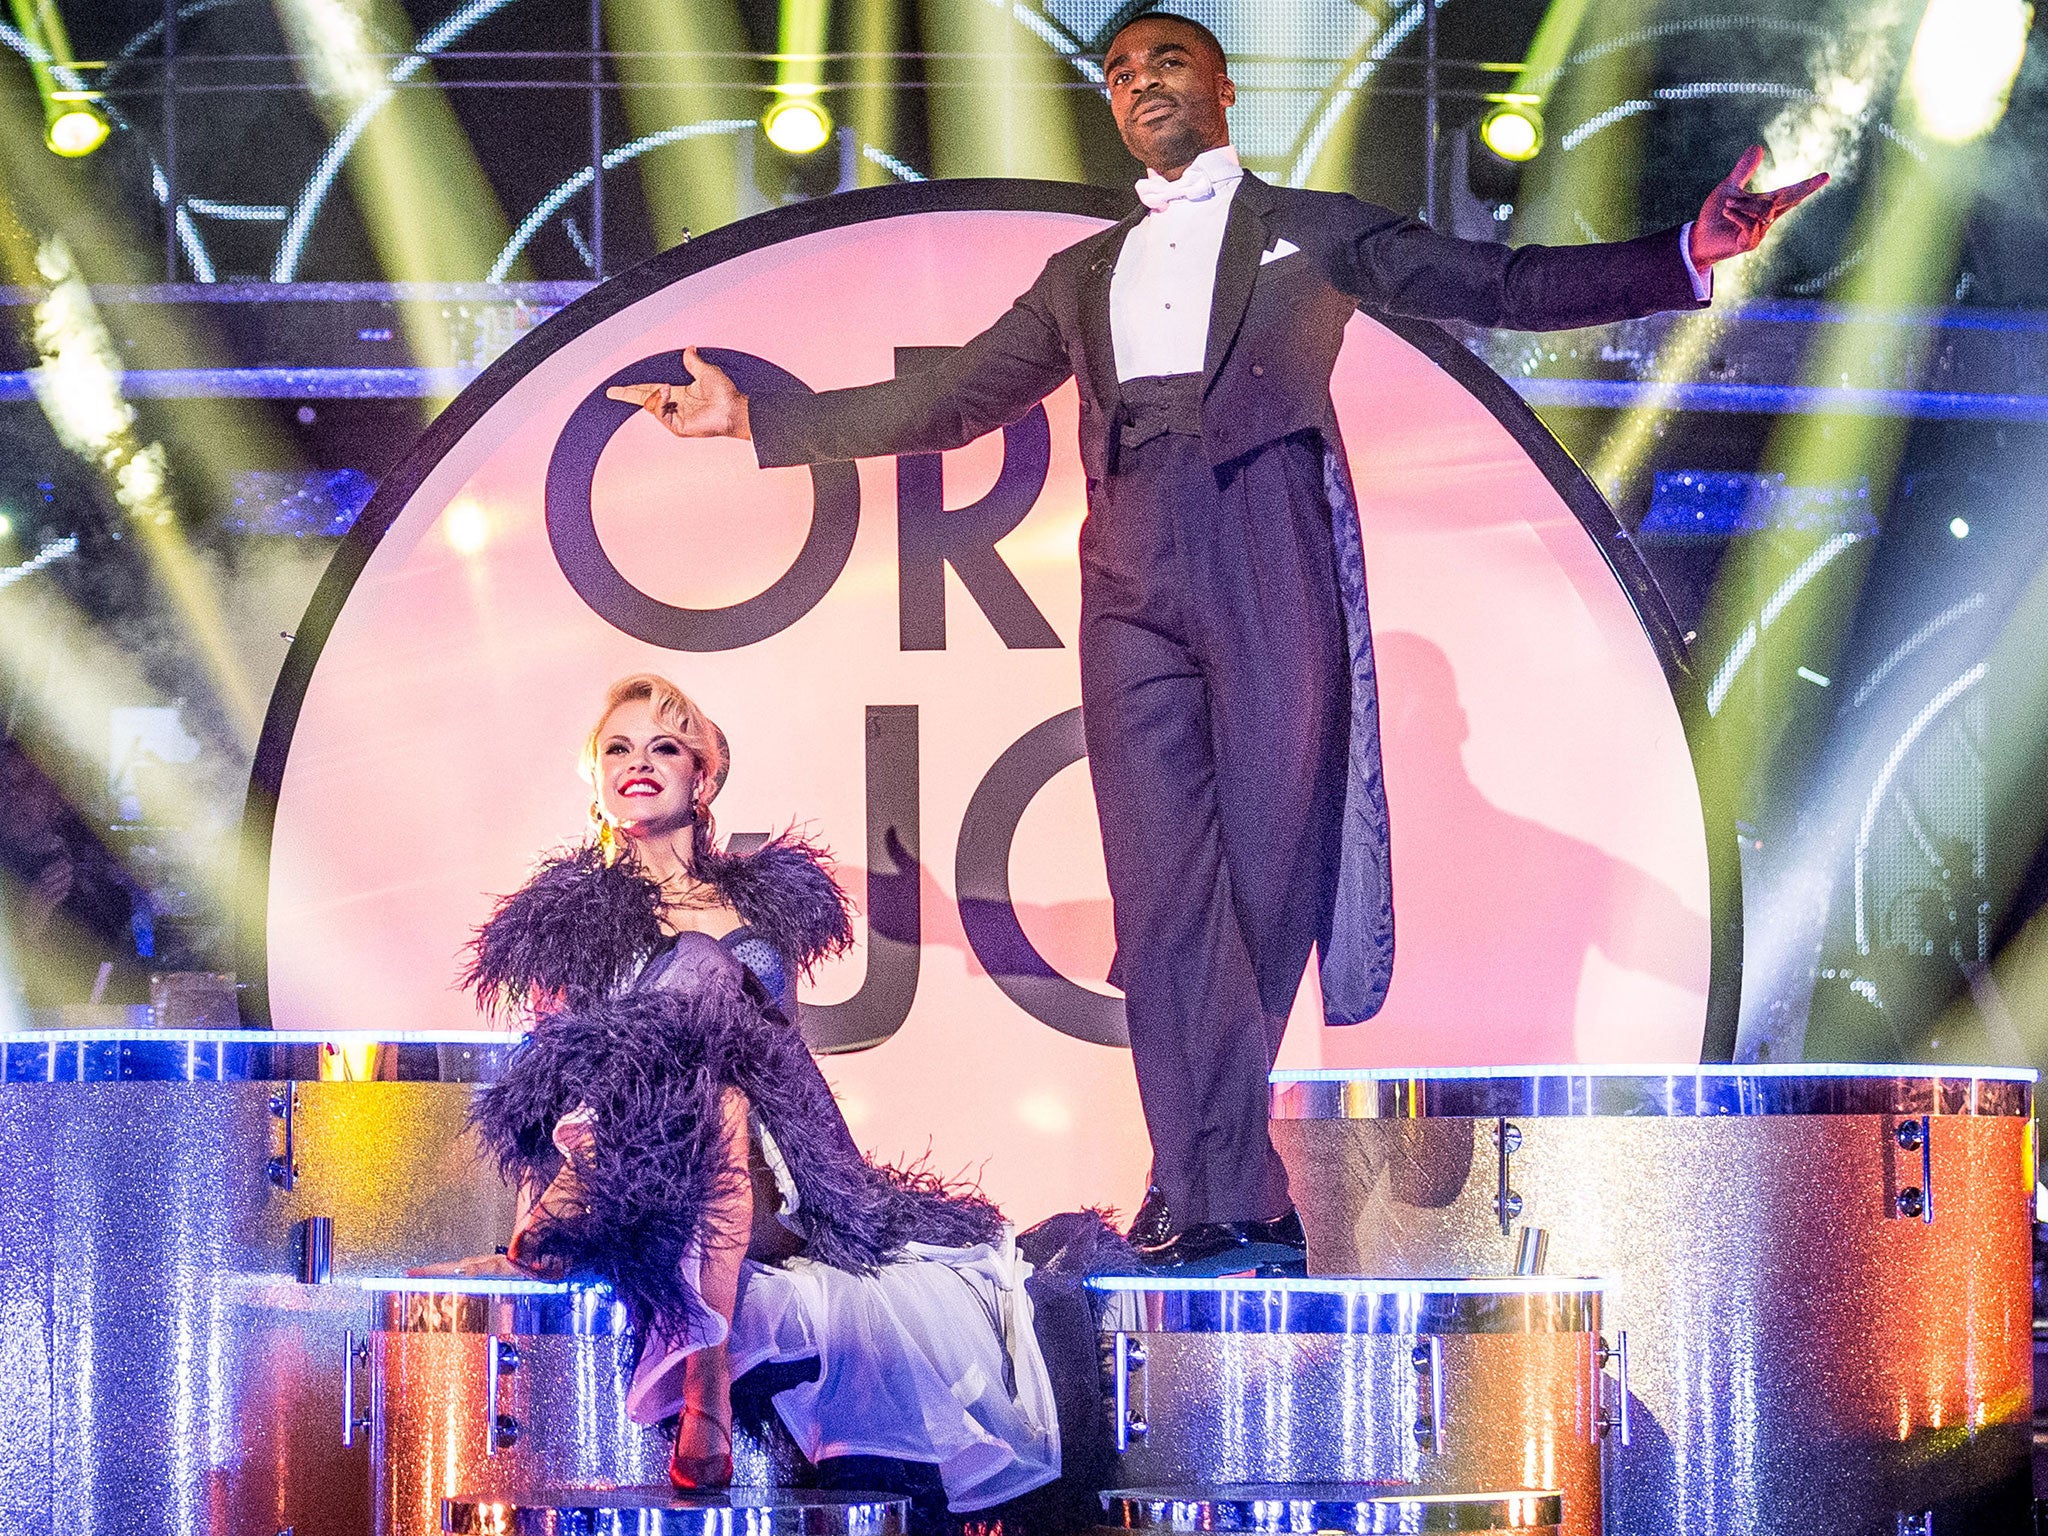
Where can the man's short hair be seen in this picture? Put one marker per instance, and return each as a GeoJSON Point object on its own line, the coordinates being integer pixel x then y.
{"type": "Point", "coordinates": [1193, 26]}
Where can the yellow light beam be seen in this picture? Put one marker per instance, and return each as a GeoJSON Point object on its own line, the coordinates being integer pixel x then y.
{"type": "Point", "coordinates": [674, 59]}
{"type": "Point", "coordinates": [1568, 197]}
{"type": "Point", "coordinates": [1912, 221]}
{"type": "Point", "coordinates": [77, 382]}
{"type": "Point", "coordinates": [1549, 48]}
{"type": "Point", "coordinates": [430, 211]}
{"type": "Point", "coordinates": [1827, 132]}
{"type": "Point", "coordinates": [800, 47]}
{"type": "Point", "coordinates": [998, 99]}
{"type": "Point", "coordinates": [871, 102]}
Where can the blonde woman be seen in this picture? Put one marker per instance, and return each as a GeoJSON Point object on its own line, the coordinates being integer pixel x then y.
{"type": "Point", "coordinates": [671, 1135]}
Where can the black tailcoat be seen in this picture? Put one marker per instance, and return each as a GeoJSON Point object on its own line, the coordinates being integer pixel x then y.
{"type": "Point", "coordinates": [1275, 327]}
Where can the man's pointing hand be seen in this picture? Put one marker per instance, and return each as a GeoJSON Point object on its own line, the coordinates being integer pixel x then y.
{"type": "Point", "coordinates": [1734, 220]}
{"type": "Point", "coordinates": [710, 405]}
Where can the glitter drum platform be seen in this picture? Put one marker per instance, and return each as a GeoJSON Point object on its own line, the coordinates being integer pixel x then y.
{"type": "Point", "coordinates": [1824, 1274]}
{"type": "Point", "coordinates": [1449, 1388]}
{"type": "Point", "coordinates": [1791, 1300]}
{"type": "Point", "coordinates": [183, 1218]}
{"type": "Point", "coordinates": [504, 1388]}
{"type": "Point", "coordinates": [1309, 1507]}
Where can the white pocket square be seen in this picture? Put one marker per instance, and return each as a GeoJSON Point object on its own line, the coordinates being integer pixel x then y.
{"type": "Point", "coordinates": [1282, 248]}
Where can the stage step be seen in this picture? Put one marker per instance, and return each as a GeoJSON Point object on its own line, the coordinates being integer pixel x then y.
{"type": "Point", "coordinates": [1321, 1507]}
{"type": "Point", "coordinates": [662, 1512]}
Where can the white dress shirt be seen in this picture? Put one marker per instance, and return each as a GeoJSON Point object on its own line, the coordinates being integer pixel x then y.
{"type": "Point", "coordinates": [1165, 277]}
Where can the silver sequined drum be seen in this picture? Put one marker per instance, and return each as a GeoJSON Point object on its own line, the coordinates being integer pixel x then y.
{"type": "Point", "coordinates": [182, 1216]}
{"type": "Point", "coordinates": [1305, 1508]}
{"type": "Point", "coordinates": [1436, 1386]}
{"type": "Point", "coordinates": [1823, 1273]}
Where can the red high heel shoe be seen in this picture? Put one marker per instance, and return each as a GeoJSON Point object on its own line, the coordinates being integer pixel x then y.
{"type": "Point", "coordinates": [694, 1474]}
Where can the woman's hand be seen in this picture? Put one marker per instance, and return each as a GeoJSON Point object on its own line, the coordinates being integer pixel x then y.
{"type": "Point", "coordinates": [479, 1266]}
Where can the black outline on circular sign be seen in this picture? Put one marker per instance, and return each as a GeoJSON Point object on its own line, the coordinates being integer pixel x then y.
{"type": "Point", "coordinates": [990, 195]}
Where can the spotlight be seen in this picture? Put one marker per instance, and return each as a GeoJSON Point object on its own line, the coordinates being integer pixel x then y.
{"type": "Point", "coordinates": [797, 126]}
{"type": "Point", "coordinates": [467, 527]}
{"type": "Point", "coordinates": [1497, 146]}
{"type": "Point", "coordinates": [1964, 61]}
{"type": "Point", "coordinates": [1513, 131]}
{"type": "Point", "coordinates": [788, 165]}
{"type": "Point", "coordinates": [76, 131]}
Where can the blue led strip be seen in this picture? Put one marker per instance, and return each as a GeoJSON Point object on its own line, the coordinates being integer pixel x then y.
{"type": "Point", "coordinates": [274, 384]}
{"type": "Point", "coordinates": [1782, 399]}
{"type": "Point", "coordinates": [1673, 1070]}
{"type": "Point", "coordinates": [1597, 394]}
{"type": "Point", "coordinates": [1354, 1285]}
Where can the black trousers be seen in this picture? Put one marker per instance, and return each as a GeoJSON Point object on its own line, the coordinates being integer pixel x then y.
{"type": "Point", "coordinates": [1216, 704]}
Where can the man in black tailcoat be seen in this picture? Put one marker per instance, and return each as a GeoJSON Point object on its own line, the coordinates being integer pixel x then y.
{"type": "Point", "coordinates": [1226, 662]}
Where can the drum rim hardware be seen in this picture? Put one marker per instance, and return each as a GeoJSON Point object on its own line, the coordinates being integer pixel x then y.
{"type": "Point", "coordinates": [1616, 1423]}
{"type": "Point", "coordinates": [1428, 1358]}
{"type": "Point", "coordinates": [661, 1512]}
{"type": "Point", "coordinates": [499, 1307]}
{"type": "Point", "coordinates": [1916, 1201]}
{"type": "Point", "coordinates": [501, 1430]}
{"type": "Point", "coordinates": [1507, 1141]}
{"type": "Point", "coordinates": [283, 1169]}
{"type": "Point", "coordinates": [354, 1351]}
{"type": "Point", "coordinates": [1680, 1091]}
{"type": "Point", "coordinates": [1327, 1507]}
{"type": "Point", "coordinates": [1352, 1305]}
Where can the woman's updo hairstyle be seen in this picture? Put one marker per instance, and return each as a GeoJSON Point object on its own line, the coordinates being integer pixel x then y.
{"type": "Point", "coordinates": [680, 715]}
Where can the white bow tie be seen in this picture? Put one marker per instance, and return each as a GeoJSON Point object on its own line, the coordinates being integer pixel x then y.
{"type": "Point", "coordinates": [1155, 191]}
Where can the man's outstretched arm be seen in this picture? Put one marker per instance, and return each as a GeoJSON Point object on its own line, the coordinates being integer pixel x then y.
{"type": "Point", "coordinates": [1403, 266]}
{"type": "Point", "coordinates": [990, 382]}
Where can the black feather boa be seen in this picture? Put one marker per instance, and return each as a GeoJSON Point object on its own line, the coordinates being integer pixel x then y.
{"type": "Point", "coordinates": [653, 1066]}
{"type": "Point", "coordinates": [582, 927]}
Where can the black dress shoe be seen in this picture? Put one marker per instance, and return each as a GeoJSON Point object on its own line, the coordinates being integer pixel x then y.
{"type": "Point", "coordinates": [1222, 1247]}
{"type": "Point", "coordinates": [1282, 1231]}
{"type": "Point", "coordinates": [1203, 1243]}
{"type": "Point", "coordinates": [1153, 1224]}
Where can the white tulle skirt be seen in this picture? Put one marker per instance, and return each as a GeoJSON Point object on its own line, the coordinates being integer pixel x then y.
{"type": "Point", "coordinates": [931, 1359]}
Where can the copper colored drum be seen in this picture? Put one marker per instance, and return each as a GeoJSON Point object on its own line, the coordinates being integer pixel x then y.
{"type": "Point", "coordinates": [497, 1388]}
{"type": "Point", "coordinates": [1310, 1507]}
{"type": "Point", "coordinates": [1823, 1273]}
{"type": "Point", "coordinates": [1420, 1386]}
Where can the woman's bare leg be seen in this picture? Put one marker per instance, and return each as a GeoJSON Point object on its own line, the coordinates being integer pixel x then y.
{"type": "Point", "coordinates": [703, 1450]}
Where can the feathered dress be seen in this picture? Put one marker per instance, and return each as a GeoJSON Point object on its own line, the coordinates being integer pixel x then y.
{"type": "Point", "coordinates": [908, 1294]}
